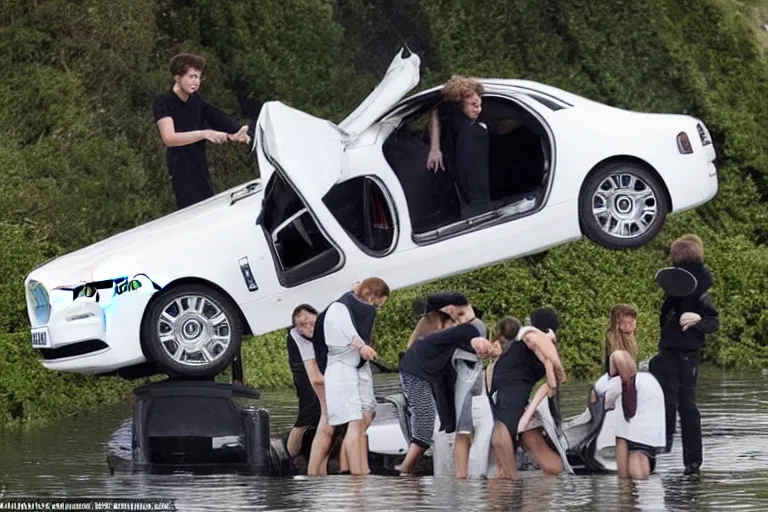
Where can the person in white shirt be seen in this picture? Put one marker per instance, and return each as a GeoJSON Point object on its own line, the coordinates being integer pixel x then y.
{"type": "Point", "coordinates": [345, 327]}
{"type": "Point", "coordinates": [306, 374]}
{"type": "Point", "coordinates": [639, 422]}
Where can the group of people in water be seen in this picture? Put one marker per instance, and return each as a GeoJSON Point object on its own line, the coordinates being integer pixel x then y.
{"type": "Point", "coordinates": [330, 355]}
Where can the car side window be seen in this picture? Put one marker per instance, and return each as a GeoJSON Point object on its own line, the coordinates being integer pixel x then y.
{"type": "Point", "coordinates": [364, 209]}
{"type": "Point", "coordinates": [301, 249]}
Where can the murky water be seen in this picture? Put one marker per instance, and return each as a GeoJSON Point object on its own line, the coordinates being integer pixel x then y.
{"type": "Point", "coordinates": [68, 460]}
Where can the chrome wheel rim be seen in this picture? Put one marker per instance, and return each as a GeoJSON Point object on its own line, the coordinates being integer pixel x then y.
{"type": "Point", "coordinates": [193, 330]}
{"type": "Point", "coordinates": [624, 205]}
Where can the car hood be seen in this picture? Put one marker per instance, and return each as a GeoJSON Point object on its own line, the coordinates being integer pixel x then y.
{"type": "Point", "coordinates": [94, 262]}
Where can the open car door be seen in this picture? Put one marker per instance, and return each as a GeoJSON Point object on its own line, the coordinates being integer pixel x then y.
{"type": "Point", "coordinates": [307, 150]}
{"type": "Point", "coordinates": [402, 76]}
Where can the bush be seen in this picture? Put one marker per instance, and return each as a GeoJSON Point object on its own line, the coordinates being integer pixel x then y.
{"type": "Point", "coordinates": [82, 160]}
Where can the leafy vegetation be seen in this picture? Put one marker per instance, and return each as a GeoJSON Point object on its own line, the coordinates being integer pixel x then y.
{"type": "Point", "coordinates": [82, 160]}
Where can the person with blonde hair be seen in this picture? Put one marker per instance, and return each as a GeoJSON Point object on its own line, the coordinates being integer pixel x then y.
{"type": "Point", "coordinates": [469, 141]}
{"type": "Point", "coordinates": [620, 334]}
{"type": "Point", "coordinates": [639, 423]}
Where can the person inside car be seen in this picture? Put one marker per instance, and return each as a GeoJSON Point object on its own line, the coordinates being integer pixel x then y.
{"type": "Point", "coordinates": [468, 141]}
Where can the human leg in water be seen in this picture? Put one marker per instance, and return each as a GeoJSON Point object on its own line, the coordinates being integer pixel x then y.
{"type": "Point", "coordinates": [321, 447]}
{"type": "Point", "coordinates": [461, 446]}
{"type": "Point", "coordinates": [353, 444]}
{"type": "Point", "coordinates": [635, 464]}
{"type": "Point", "coordinates": [549, 460]}
{"type": "Point", "coordinates": [504, 452]}
{"type": "Point", "coordinates": [367, 420]}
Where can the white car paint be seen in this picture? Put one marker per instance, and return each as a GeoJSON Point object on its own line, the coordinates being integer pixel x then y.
{"type": "Point", "coordinates": [206, 241]}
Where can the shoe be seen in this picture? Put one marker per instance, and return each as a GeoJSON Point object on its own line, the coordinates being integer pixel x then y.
{"type": "Point", "coordinates": [692, 469]}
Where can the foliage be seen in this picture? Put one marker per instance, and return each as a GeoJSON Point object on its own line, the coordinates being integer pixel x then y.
{"type": "Point", "coordinates": [81, 158]}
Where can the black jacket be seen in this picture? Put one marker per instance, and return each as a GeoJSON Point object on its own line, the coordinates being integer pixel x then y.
{"type": "Point", "coordinates": [672, 335]}
{"type": "Point", "coordinates": [430, 359]}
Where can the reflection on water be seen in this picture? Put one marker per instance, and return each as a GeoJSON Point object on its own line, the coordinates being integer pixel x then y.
{"type": "Point", "coordinates": [68, 459]}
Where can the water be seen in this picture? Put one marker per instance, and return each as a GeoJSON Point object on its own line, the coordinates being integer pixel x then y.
{"type": "Point", "coordinates": [68, 460]}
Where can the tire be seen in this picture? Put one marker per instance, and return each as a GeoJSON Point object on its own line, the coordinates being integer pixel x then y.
{"type": "Point", "coordinates": [622, 205]}
{"type": "Point", "coordinates": [192, 331]}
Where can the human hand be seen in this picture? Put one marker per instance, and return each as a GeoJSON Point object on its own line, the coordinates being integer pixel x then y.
{"type": "Point", "coordinates": [689, 320]}
{"type": "Point", "coordinates": [367, 353]}
{"type": "Point", "coordinates": [215, 137]}
{"type": "Point", "coordinates": [482, 346]}
{"type": "Point", "coordinates": [435, 160]}
{"type": "Point", "coordinates": [241, 135]}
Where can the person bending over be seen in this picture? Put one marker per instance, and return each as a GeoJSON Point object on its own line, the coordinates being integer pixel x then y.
{"type": "Point", "coordinates": [428, 377]}
{"type": "Point", "coordinates": [529, 357]}
{"type": "Point", "coordinates": [639, 424]}
{"type": "Point", "coordinates": [306, 374]}
{"type": "Point", "coordinates": [620, 334]}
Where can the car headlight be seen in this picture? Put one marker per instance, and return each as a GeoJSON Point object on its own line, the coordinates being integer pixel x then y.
{"type": "Point", "coordinates": [40, 302]}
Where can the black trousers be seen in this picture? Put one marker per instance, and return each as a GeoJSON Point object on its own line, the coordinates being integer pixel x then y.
{"type": "Point", "coordinates": [677, 373]}
{"type": "Point", "coordinates": [190, 186]}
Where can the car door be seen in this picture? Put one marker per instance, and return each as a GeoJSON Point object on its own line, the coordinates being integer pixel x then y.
{"type": "Point", "coordinates": [475, 243]}
{"type": "Point", "coordinates": [300, 159]}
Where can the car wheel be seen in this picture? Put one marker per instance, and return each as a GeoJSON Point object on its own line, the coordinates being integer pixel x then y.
{"type": "Point", "coordinates": [192, 331]}
{"type": "Point", "coordinates": [622, 206]}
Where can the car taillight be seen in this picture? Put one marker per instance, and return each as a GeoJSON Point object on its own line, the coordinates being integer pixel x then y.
{"type": "Point", "coordinates": [703, 135]}
{"type": "Point", "coordinates": [684, 144]}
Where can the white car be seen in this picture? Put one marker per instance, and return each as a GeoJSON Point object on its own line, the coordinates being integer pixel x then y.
{"type": "Point", "coordinates": [338, 203]}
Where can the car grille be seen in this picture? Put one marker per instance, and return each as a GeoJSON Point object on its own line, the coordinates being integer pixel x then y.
{"type": "Point", "coordinates": [40, 302]}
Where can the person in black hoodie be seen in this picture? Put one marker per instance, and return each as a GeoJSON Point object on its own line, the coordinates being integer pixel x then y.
{"type": "Point", "coordinates": [684, 323]}
{"type": "Point", "coordinates": [428, 377]}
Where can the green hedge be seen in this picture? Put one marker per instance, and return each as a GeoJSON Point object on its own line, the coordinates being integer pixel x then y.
{"type": "Point", "coordinates": [81, 158]}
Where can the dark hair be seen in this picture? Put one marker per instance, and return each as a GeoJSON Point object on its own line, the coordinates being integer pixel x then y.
{"type": "Point", "coordinates": [545, 319]}
{"type": "Point", "coordinates": [299, 309]}
{"type": "Point", "coordinates": [437, 301]}
{"type": "Point", "coordinates": [183, 61]}
{"type": "Point", "coordinates": [507, 328]}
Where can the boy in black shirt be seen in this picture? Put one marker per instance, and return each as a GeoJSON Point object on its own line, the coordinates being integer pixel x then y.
{"type": "Point", "coordinates": [181, 115]}
{"type": "Point", "coordinates": [684, 322]}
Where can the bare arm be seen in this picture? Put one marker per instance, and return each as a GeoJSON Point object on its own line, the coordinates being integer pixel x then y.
{"type": "Point", "coordinates": [434, 131]}
{"type": "Point", "coordinates": [313, 372]}
{"type": "Point", "coordinates": [545, 350]}
{"type": "Point", "coordinates": [543, 391]}
{"type": "Point", "coordinates": [435, 158]}
{"type": "Point", "coordinates": [172, 138]}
